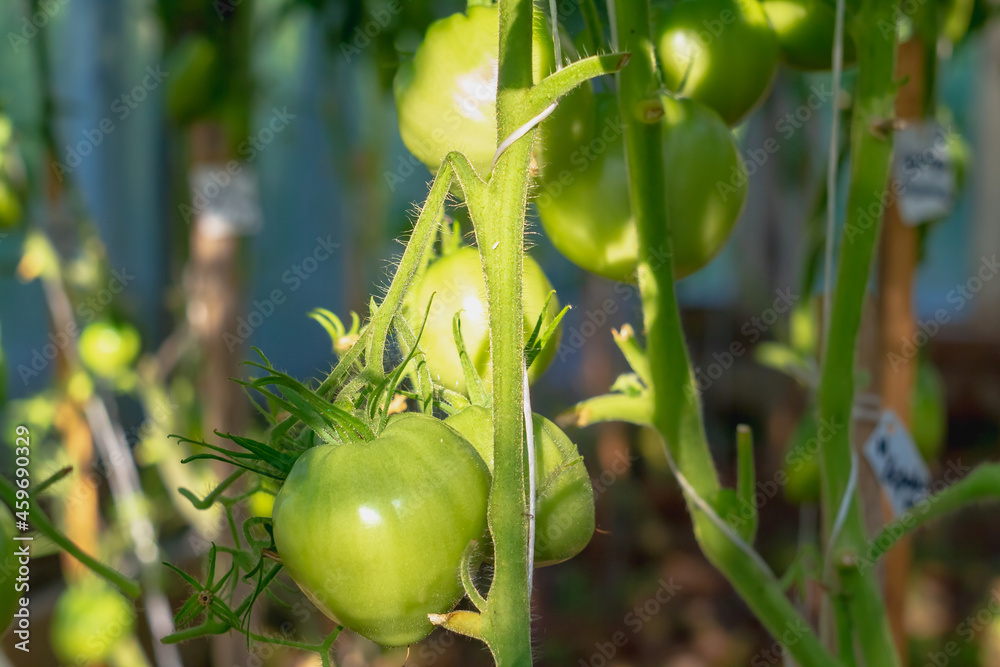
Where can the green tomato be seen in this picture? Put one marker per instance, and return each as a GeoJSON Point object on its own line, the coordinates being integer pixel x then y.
{"type": "Point", "coordinates": [446, 95]}
{"type": "Point", "coordinates": [8, 568]}
{"type": "Point", "coordinates": [88, 621]}
{"type": "Point", "coordinates": [564, 517]}
{"type": "Point", "coordinates": [456, 283]}
{"type": "Point", "coordinates": [722, 53]}
{"type": "Point", "coordinates": [928, 413]}
{"type": "Point", "coordinates": [805, 33]}
{"type": "Point", "coordinates": [107, 348]}
{"type": "Point", "coordinates": [374, 532]}
{"type": "Point", "coordinates": [590, 221]}
{"type": "Point", "coordinates": [583, 199]}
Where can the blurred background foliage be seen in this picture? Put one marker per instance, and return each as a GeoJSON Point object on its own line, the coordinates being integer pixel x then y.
{"type": "Point", "coordinates": [121, 319]}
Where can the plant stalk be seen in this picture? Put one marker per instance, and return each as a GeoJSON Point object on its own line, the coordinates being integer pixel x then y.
{"type": "Point", "coordinates": [500, 235]}
{"type": "Point", "coordinates": [677, 414]}
{"type": "Point", "coordinates": [871, 147]}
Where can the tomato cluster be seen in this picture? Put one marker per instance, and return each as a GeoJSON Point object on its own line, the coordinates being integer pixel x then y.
{"type": "Point", "coordinates": [374, 529]}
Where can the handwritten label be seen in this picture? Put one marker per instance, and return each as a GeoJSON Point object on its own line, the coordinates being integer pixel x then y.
{"type": "Point", "coordinates": [923, 168]}
{"type": "Point", "coordinates": [897, 463]}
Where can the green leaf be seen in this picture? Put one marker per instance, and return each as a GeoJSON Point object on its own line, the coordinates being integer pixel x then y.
{"type": "Point", "coordinates": [474, 383]}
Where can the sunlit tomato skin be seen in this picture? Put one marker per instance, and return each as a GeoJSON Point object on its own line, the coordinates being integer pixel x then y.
{"type": "Point", "coordinates": [8, 567]}
{"type": "Point", "coordinates": [107, 348]}
{"type": "Point", "coordinates": [446, 95]}
{"type": "Point", "coordinates": [583, 200]}
{"type": "Point", "coordinates": [722, 53]}
{"type": "Point", "coordinates": [88, 621]}
{"type": "Point", "coordinates": [373, 532]}
{"type": "Point", "coordinates": [456, 283]}
{"type": "Point", "coordinates": [805, 33]}
{"type": "Point", "coordinates": [564, 516]}
{"type": "Point", "coordinates": [589, 220]}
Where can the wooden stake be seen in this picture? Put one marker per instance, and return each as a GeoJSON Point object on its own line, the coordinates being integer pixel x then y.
{"type": "Point", "coordinates": [898, 264]}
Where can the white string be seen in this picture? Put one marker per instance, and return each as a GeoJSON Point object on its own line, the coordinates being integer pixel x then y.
{"type": "Point", "coordinates": [703, 505]}
{"type": "Point", "coordinates": [520, 132]}
{"type": "Point", "coordinates": [845, 505]}
{"type": "Point", "coordinates": [831, 173]}
{"type": "Point", "coordinates": [530, 442]}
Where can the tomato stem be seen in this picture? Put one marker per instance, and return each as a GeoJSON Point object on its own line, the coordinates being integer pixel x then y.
{"type": "Point", "coordinates": [500, 236]}
{"type": "Point", "coordinates": [677, 409]}
{"type": "Point", "coordinates": [875, 93]}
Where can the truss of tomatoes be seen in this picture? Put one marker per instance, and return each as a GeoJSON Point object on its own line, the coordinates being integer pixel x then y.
{"type": "Point", "coordinates": [373, 525]}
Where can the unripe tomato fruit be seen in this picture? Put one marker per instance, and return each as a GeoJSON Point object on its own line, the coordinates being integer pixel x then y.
{"type": "Point", "coordinates": [722, 53]}
{"type": "Point", "coordinates": [564, 515]}
{"type": "Point", "coordinates": [107, 348]}
{"type": "Point", "coordinates": [88, 622]}
{"type": "Point", "coordinates": [8, 567]}
{"type": "Point", "coordinates": [374, 532]}
{"type": "Point", "coordinates": [805, 33]}
{"type": "Point", "coordinates": [456, 283]}
{"type": "Point", "coordinates": [446, 95]}
{"type": "Point", "coordinates": [590, 219]}
{"type": "Point", "coordinates": [583, 200]}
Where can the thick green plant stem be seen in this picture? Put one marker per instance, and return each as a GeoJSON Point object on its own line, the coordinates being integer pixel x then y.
{"type": "Point", "coordinates": [506, 624]}
{"type": "Point", "coordinates": [871, 147]}
{"type": "Point", "coordinates": [677, 407]}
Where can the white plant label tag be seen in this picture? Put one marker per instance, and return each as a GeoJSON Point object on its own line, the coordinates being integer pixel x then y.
{"type": "Point", "coordinates": [924, 173]}
{"type": "Point", "coordinates": [897, 463]}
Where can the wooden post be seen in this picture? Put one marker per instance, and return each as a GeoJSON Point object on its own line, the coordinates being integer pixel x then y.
{"type": "Point", "coordinates": [898, 261]}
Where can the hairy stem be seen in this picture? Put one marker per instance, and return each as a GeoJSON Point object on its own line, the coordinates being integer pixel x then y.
{"type": "Point", "coordinates": [500, 233]}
